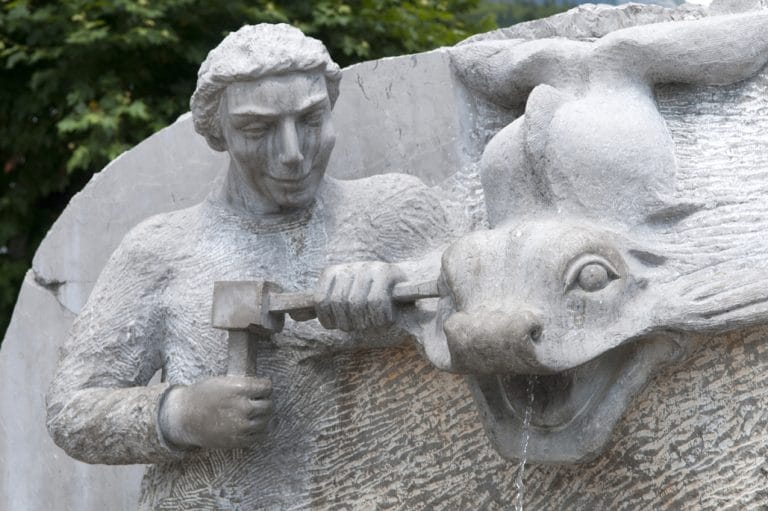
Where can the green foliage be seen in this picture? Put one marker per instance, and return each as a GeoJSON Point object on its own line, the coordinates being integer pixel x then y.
{"type": "Point", "coordinates": [508, 13]}
{"type": "Point", "coordinates": [84, 80]}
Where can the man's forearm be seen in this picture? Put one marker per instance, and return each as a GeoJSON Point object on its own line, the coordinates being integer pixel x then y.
{"type": "Point", "coordinates": [113, 426]}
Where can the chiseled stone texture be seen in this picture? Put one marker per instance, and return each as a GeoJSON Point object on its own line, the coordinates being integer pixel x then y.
{"type": "Point", "coordinates": [174, 169]}
{"type": "Point", "coordinates": [590, 21]}
{"type": "Point", "coordinates": [401, 434]}
{"type": "Point", "coordinates": [34, 473]}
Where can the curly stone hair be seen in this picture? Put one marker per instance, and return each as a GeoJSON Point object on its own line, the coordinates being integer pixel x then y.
{"type": "Point", "coordinates": [250, 53]}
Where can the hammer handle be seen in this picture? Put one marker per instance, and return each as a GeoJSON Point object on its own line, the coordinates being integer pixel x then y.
{"type": "Point", "coordinates": [241, 353]}
{"type": "Point", "coordinates": [301, 305]}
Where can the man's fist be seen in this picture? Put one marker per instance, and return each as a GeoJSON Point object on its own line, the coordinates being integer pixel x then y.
{"type": "Point", "coordinates": [356, 296]}
{"type": "Point", "coordinates": [225, 412]}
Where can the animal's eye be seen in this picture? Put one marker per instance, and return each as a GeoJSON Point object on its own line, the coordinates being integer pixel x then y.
{"type": "Point", "coordinates": [590, 273]}
{"type": "Point", "coordinates": [593, 277]}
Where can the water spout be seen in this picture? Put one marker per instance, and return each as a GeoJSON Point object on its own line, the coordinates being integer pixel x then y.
{"type": "Point", "coordinates": [519, 485]}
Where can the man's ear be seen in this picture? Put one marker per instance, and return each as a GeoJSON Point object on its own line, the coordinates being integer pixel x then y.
{"type": "Point", "coordinates": [217, 143]}
{"type": "Point", "coordinates": [215, 135]}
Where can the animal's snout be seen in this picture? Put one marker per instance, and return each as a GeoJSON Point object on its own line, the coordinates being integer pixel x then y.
{"type": "Point", "coordinates": [494, 341]}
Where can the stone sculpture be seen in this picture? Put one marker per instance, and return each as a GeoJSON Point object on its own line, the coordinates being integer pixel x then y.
{"type": "Point", "coordinates": [265, 96]}
{"type": "Point", "coordinates": [590, 280]}
{"type": "Point", "coordinates": [392, 432]}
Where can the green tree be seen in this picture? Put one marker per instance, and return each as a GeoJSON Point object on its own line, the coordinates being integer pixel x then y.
{"type": "Point", "coordinates": [509, 12]}
{"type": "Point", "coordinates": [83, 80]}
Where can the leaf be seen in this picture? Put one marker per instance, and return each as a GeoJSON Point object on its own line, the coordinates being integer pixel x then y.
{"type": "Point", "coordinates": [80, 159]}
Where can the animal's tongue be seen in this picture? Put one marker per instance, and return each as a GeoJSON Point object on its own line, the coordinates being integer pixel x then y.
{"type": "Point", "coordinates": [557, 398]}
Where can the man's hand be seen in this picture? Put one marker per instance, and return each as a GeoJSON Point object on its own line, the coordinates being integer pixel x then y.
{"type": "Point", "coordinates": [225, 412]}
{"type": "Point", "coordinates": [357, 296]}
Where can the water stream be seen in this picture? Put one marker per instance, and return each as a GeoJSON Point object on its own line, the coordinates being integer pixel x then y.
{"type": "Point", "coordinates": [519, 485]}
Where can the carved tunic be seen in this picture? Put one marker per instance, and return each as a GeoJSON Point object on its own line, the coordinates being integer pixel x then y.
{"type": "Point", "coordinates": [150, 311]}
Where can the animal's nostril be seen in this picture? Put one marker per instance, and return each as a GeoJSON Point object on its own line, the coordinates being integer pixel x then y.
{"type": "Point", "coordinates": [535, 333]}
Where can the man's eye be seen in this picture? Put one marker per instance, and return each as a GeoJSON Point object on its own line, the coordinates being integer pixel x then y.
{"type": "Point", "coordinates": [314, 119]}
{"type": "Point", "coordinates": [591, 274]}
{"type": "Point", "coordinates": [255, 129]}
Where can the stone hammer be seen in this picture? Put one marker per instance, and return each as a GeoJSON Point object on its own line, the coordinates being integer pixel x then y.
{"type": "Point", "coordinates": [253, 310]}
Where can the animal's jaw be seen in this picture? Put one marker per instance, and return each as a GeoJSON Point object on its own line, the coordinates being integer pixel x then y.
{"type": "Point", "coordinates": [571, 414]}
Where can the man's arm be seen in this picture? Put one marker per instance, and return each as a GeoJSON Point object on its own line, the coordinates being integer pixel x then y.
{"type": "Point", "coordinates": [99, 407]}
{"type": "Point", "coordinates": [407, 227]}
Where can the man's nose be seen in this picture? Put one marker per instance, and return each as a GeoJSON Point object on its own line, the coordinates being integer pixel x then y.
{"type": "Point", "coordinates": [290, 150]}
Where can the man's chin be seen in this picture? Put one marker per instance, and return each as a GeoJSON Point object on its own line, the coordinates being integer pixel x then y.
{"type": "Point", "coordinates": [291, 196]}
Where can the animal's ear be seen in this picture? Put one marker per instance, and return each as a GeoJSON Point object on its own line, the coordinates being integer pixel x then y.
{"type": "Point", "coordinates": [512, 168]}
{"type": "Point", "coordinates": [484, 67]}
{"type": "Point", "coordinates": [505, 71]}
{"type": "Point", "coordinates": [714, 51]}
{"type": "Point", "coordinates": [543, 103]}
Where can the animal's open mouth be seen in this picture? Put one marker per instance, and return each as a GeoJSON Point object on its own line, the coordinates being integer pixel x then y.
{"type": "Point", "coordinates": [572, 413]}
{"type": "Point", "coordinates": [556, 400]}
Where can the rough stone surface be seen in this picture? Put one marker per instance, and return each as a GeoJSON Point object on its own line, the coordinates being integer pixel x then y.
{"type": "Point", "coordinates": [234, 442]}
{"type": "Point", "coordinates": [176, 169]}
{"type": "Point", "coordinates": [34, 473]}
{"type": "Point", "coordinates": [389, 102]}
{"type": "Point", "coordinates": [735, 6]}
{"type": "Point", "coordinates": [172, 169]}
{"type": "Point", "coordinates": [598, 265]}
{"type": "Point", "coordinates": [402, 435]}
{"type": "Point", "coordinates": [592, 21]}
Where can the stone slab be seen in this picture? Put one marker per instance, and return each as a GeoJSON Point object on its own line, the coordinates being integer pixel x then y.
{"type": "Point", "coordinates": [410, 437]}
{"type": "Point", "coordinates": [35, 473]}
{"type": "Point", "coordinates": [173, 169]}
{"type": "Point", "coordinates": [398, 115]}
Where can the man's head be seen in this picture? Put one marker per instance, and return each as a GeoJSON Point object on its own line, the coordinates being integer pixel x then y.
{"type": "Point", "coordinates": [251, 53]}
{"type": "Point", "coordinates": [265, 95]}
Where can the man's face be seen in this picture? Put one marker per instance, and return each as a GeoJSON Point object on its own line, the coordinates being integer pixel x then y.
{"type": "Point", "coordinates": [279, 134]}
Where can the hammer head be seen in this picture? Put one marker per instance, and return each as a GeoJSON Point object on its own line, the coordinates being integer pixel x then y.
{"type": "Point", "coordinates": [244, 305]}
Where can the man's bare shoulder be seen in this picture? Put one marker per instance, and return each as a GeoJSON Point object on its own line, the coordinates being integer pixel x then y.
{"type": "Point", "coordinates": [396, 215]}
{"type": "Point", "coordinates": [161, 237]}
{"type": "Point", "coordinates": [401, 193]}
{"type": "Point", "coordinates": [381, 186]}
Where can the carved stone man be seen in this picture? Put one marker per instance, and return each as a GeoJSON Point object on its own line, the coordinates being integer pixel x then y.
{"type": "Point", "coordinates": [264, 95]}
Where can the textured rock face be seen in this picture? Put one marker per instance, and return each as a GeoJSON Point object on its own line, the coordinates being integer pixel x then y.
{"type": "Point", "coordinates": [398, 433]}
{"type": "Point", "coordinates": [175, 169]}
{"type": "Point", "coordinates": [596, 268]}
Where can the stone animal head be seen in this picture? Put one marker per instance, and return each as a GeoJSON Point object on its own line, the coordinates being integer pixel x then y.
{"type": "Point", "coordinates": [592, 277]}
{"type": "Point", "coordinates": [567, 320]}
